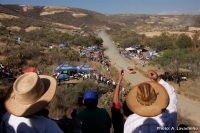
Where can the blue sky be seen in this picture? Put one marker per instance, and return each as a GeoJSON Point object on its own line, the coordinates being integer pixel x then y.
{"type": "Point", "coordinates": [163, 7]}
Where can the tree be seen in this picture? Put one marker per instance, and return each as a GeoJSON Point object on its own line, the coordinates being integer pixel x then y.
{"type": "Point", "coordinates": [171, 60]}
{"type": "Point", "coordinates": [195, 39]}
{"type": "Point", "coordinates": [98, 42]}
{"type": "Point", "coordinates": [70, 54]}
{"type": "Point", "coordinates": [162, 42]}
{"type": "Point", "coordinates": [184, 41]}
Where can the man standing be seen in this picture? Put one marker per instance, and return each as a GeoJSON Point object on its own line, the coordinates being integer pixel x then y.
{"type": "Point", "coordinates": [94, 119]}
{"type": "Point", "coordinates": [154, 105]}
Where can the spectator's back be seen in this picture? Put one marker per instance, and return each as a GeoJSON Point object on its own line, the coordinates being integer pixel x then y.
{"type": "Point", "coordinates": [94, 119]}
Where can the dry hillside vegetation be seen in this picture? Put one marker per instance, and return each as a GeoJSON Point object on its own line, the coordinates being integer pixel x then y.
{"type": "Point", "coordinates": [157, 33]}
{"type": "Point", "coordinates": [66, 26]}
{"type": "Point", "coordinates": [26, 8]}
{"type": "Point", "coordinates": [79, 15]}
{"type": "Point", "coordinates": [31, 28]}
{"type": "Point", "coordinates": [7, 16]}
{"type": "Point", "coordinates": [48, 10]}
{"type": "Point", "coordinates": [193, 29]}
{"type": "Point", "coordinates": [17, 28]}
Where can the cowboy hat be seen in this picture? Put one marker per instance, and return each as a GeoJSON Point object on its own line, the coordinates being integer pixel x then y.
{"type": "Point", "coordinates": [30, 93]}
{"type": "Point", "coordinates": [147, 99]}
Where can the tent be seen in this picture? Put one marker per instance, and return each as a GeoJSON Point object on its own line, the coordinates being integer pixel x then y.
{"type": "Point", "coordinates": [90, 49]}
{"type": "Point", "coordinates": [30, 69]}
{"type": "Point", "coordinates": [61, 45]}
{"type": "Point", "coordinates": [63, 76]}
{"type": "Point", "coordinates": [84, 68]}
{"type": "Point", "coordinates": [131, 49]}
{"type": "Point", "coordinates": [64, 45]}
{"type": "Point", "coordinates": [65, 66]}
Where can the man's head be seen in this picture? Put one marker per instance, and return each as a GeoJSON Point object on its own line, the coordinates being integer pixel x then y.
{"type": "Point", "coordinates": [90, 98]}
{"type": "Point", "coordinates": [147, 99]}
{"type": "Point", "coordinates": [30, 93]}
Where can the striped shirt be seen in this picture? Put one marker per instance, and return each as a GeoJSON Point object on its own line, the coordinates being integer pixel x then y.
{"type": "Point", "coordinates": [162, 123]}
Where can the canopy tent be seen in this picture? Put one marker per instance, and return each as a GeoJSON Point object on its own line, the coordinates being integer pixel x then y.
{"type": "Point", "coordinates": [130, 48]}
{"type": "Point", "coordinates": [61, 45]}
{"type": "Point", "coordinates": [65, 66]}
{"type": "Point", "coordinates": [63, 76]}
{"type": "Point", "coordinates": [64, 45]}
{"type": "Point", "coordinates": [90, 49]}
{"type": "Point", "coordinates": [30, 69]}
{"type": "Point", "coordinates": [84, 68]}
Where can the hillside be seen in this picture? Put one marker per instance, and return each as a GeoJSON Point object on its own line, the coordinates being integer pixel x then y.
{"type": "Point", "coordinates": [90, 20]}
{"type": "Point", "coordinates": [83, 19]}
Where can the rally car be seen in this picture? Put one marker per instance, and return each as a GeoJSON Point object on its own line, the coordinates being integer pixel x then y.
{"type": "Point", "coordinates": [131, 70]}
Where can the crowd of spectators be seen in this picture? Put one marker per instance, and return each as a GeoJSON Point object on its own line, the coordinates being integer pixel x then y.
{"type": "Point", "coordinates": [148, 105]}
{"type": "Point", "coordinates": [5, 72]}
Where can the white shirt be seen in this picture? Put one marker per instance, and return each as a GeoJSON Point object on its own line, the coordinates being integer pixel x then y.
{"type": "Point", "coordinates": [86, 75]}
{"type": "Point", "coordinates": [32, 124]}
{"type": "Point", "coordinates": [113, 83]}
{"type": "Point", "coordinates": [139, 124]}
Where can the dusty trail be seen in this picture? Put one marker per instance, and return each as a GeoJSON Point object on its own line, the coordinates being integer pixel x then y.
{"type": "Point", "coordinates": [118, 62]}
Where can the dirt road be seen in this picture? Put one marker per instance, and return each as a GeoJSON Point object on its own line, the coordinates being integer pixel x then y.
{"type": "Point", "coordinates": [186, 105]}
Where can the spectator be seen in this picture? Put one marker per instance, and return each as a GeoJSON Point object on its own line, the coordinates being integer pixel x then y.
{"type": "Point", "coordinates": [2, 109]}
{"type": "Point", "coordinates": [94, 119]}
{"type": "Point", "coordinates": [154, 106]}
{"type": "Point", "coordinates": [101, 78]}
{"type": "Point", "coordinates": [63, 123]}
{"type": "Point", "coordinates": [86, 76]}
{"type": "Point", "coordinates": [28, 96]}
{"type": "Point", "coordinates": [20, 71]}
{"type": "Point", "coordinates": [113, 83]}
{"type": "Point", "coordinates": [117, 117]}
{"type": "Point", "coordinates": [75, 123]}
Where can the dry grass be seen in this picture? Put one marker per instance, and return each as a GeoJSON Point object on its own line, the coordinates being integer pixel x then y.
{"type": "Point", "coordinates": [6, 16]}
{"type": "Point", "coordinates": [31, 28]}
{"type": "Point", "coordinates": [79, 15]}
{"type": "Point", "coordinates": [157, 33]}
{"type": "Point", "coordinates": [66, 26]}
{"type": "Point", "coordinates": [183, 117]}
{"type": "Point", "coordinates": [49, 10]}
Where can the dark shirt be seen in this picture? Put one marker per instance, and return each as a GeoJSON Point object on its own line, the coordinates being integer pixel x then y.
{"type": "Point", "coordinates": [117, 118]}
{"type": "Point", "coordinates": [94, 120]}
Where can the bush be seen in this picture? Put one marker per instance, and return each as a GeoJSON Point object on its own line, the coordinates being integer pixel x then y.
{"type": "Point", "coordinates": [66, 99]}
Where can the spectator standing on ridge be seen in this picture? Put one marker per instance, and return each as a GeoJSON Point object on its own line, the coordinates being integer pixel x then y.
{"type": "Point", "coordinates": [154, 104]}
{"type": "Point", "coordinates": [29, 95]}
{"type": "Point", "coordinates": [94, 119]}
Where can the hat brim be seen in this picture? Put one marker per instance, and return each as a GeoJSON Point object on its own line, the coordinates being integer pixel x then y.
{"type": "Point", "coordinates": [152, 110]}
{"type": "Point", "coordinates": [18, 109]}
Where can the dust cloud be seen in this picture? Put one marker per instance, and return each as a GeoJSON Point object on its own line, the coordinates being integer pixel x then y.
{"type": "Point", "coordinates": [111, 50]}
{"type": "Point", "coordinates": [118, 61]}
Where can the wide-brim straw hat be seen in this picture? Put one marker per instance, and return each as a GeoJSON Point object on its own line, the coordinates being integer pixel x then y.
{"type": "Point", "coordinates": [30, 93]}
{"type": "Point", "coordinates": [157, 103]}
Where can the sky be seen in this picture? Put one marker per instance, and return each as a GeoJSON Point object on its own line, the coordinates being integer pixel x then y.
{"type": "Point", "coordinates": [158, 7]}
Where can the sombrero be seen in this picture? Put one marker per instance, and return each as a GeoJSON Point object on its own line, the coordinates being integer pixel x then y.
{"type": "Point", "coordinates": [30, 93]}
{"type": "Point", "coordinates": [147, 99]}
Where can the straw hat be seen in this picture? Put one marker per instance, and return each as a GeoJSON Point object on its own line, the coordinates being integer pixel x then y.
{"type": "Point", "coordinates": [147, 99]}
{"type": "Point", "coordinates": [30, 94]}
